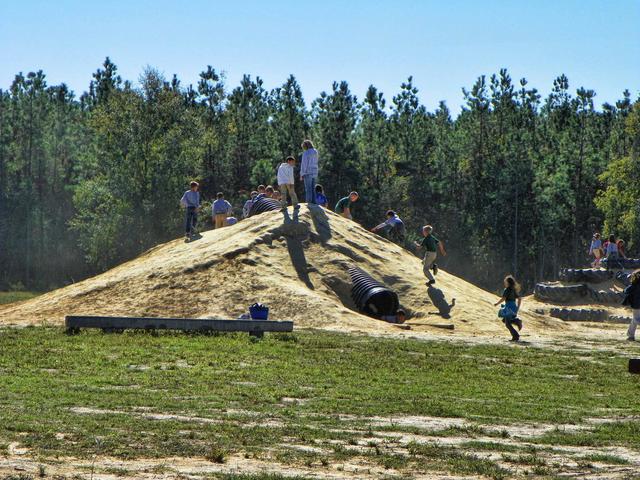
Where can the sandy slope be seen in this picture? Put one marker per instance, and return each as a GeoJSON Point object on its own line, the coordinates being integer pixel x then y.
{"type": "Point", "coordinates": [296, 266]}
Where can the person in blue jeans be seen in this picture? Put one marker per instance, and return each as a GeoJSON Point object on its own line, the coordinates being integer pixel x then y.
{"type": "Point", "coordinates": [309, 170]}
{"type": "Point", "coordinates": [191, 202]}
{"type": "Point", "coordinates": [509, 311]}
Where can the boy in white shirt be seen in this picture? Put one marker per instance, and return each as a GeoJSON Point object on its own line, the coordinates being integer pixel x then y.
{"type": "Point", "coordinates": [286, 182]}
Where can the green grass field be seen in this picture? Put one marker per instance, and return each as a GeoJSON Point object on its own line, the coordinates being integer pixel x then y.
{"type": "Point", "coordinates": [10, 297]}
{"type": "Point", "coordinates": [405, 406]}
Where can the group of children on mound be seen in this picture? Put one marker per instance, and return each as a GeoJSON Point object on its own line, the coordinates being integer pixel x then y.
{"type": "Point", "coordinates": [221, 210]}
{"type": "Point", "coordinates": [393, 228]}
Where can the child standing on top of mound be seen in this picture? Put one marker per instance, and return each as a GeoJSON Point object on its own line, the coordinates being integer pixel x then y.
{"type": "Point", "coordinates": [309, 170]}
{"type": "Point", "coordinates": [286, 182]}
{"type": "Point", "coordinates": [632, 299]}
{"type": "Point", "coordinates": [191, 201]}
{"type": "Point", "coordinates": [431, 245]}
{"type": "Point", "coordinates": [344, 205]}
{"type": "Point", "coordinates": [221, 209]}
{"type": "Point", "coordinates": [509, 311]}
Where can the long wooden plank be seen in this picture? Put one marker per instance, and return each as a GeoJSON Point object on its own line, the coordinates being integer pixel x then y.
{"type": "Point", "coordinates": [188, 324]}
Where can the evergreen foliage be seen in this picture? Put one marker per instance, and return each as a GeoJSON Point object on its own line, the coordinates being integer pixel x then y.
{"type": "Point", "coordinates": [514, 183]}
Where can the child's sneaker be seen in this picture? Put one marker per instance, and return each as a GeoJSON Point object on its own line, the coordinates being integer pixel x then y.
{"type": "Point", "coordinates": [435, 268]}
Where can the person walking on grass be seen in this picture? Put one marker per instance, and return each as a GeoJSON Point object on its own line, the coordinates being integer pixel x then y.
{"type": "Point", "coordinates": [392, 228]}
{"type": "Point", "coordinates": [632, 299]}
{"type": "Point", "coordinates": [596, 250]}
{"type": "Point", "coordinates": [344, 205]}
{"type": "Point", "coordinates": [191, 202]}
{"type": "Point", "coordinates": [509, 311]}
{"type": "Point", "coordinates": [221, 209]}
{"type": "Point", "coordinates": [286, 180]}
{"type": "Point", "coordinates": [309, 170]}
{"type": "Point", "coordinates": [431, 245]}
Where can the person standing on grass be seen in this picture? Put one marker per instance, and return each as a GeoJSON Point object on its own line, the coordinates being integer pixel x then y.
{"type": "Point", "coordinates": [221, 209]}
{"type": "Point", "coordinates": [596, 250]}
{"type": "Point", "coordinates": [509, 311]}
{"type": "Point", "coordinates": [344, 205]}
{"type": "Point", "coordinates": [632, 299]}
{"type": "Point", "coordinates": [309, 170]}
{"type": "Point", "coordinates": [286, 180]}
{"type": "Point", "coordinates": [191, 202]}
{"type": "Point", "coordinates": [431, 245]}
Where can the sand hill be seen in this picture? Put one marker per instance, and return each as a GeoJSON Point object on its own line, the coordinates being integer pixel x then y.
{"type": "Point", "coordinates": [297, 266]}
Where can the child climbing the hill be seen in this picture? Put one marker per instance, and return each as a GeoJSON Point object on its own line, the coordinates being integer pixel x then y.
{"type": "Point", "coordinates": [632, 299]}
{"type": "Point", "coordinates": [321, 199]}
{"type": "Point", "coordinates": [286, 182]}
{"type": "Point", "coordinates": [392, 228]}
{"type": "Point", "coordinates": [191, 202]}
{"type": "Point", "coordinates": [344, 205]}
{"type": "Point", "coordinates": [509, 311]}
{"type": "Point", "coordinates": [596, 250]}
{"type": "Point", "coordinates": [431, 245]}
{"type": "Point", "coordinates": [221, 209]}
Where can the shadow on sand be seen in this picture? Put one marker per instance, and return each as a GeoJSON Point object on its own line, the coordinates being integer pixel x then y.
{"type": "Point", "coordinates": [320, 222]}
{"type": "Point", "coordinates": [296, 249]}
{"type": "Point", "coordinates": [437, 298]}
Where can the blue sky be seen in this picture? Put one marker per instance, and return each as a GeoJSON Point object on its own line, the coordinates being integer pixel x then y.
{"type": "Point", "coordinates": [444, 44]}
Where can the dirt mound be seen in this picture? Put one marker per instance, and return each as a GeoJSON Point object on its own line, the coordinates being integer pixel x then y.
{"type": "Point", "coordinates": [298, 265]}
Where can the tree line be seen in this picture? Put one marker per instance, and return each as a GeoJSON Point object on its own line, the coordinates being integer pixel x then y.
{"type": "Point", "coordinates": [514, 183]}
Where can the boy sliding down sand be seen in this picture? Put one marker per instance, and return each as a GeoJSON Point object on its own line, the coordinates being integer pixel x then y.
{"type": "Point", "coordinates": [509, 311]}
{"type": "Point", "coordinates": [286, 182]}
{"type": "Point", "coordinates": [431, 245]}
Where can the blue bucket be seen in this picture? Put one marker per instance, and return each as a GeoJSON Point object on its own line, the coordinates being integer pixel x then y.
{"type": "Point", "coordinates": [259, 311]}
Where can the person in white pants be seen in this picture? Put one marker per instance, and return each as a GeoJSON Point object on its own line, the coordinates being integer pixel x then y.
{"type": "Point", "coordinates": [632, 299]}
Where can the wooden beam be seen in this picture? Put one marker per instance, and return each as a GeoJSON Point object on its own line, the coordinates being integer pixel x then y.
{"type": "Point", "coordinates": [74, 323]}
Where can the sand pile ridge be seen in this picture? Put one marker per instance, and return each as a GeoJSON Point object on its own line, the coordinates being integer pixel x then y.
{"type": "Point", "coordinates": [297, 264]}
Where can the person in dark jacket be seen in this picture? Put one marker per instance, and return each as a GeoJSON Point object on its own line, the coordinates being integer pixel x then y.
{"type": "Point", "coordinates": [509, 311]}
{"type": "Point", "coordinates": [632, 299]}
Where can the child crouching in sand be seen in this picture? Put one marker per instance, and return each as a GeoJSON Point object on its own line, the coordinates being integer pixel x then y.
{"type": "Point", "coordinates": [509, 311]}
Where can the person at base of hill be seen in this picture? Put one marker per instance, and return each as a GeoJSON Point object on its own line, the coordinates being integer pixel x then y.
{"type": "Point", "coordinates": [191, 202]}
{"type": "Point", "coordinates": [345, 204]}
{"type": "Point", "coordinates": [221, 209]}
{"type": "Point", "coordinates": [309, 170]}
{"type": "Point", "coordinates": [431, 245]}
{"type": "Point", "coordinates": [248, 204]}
{"type": "Point", "coordinates": [509, 311]}
{"type": "Point", "coordinates": [392, 227]}
{"type": "Point", "coordinates": [286, 182]}
{"type": "Point", "coordinates": [596, 250]}
{"type": "Point", "coordinates": [399, 317]}
{"type": "Point", "coordinates": [621, 251]}
{"type": "Point", "coordinates": [632, 299]}
{"type": "Point", "coordinates": [611, 252]}
{"type": "Point", "coordinates": [321, 199]}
